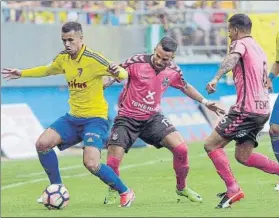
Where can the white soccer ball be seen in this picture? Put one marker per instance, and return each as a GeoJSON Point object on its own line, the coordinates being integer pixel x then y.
{"type": "Point", "coordinates": [56, 197]}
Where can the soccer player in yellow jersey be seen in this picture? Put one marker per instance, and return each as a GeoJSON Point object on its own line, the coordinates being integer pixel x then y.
{"type": "Point", "coordinates": [274, 120]}
{"type": "Point", "coordinates": [87, 118]}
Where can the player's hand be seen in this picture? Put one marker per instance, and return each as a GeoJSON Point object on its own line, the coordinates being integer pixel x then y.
{"type": "Point", "coordinates": [269, 85]}
{"type": "Point", "coordinates": [211, 86]}
{"type": "Point", "coordinates": [9, 74]}
{"type": "Point", "coordinates": [114, 69]}
{"type": "Point", "coordinates": [110, 82]}
{"type": "Point", "coordinates": [215, 108]}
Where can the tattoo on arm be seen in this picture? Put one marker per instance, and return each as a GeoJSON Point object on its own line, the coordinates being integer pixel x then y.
{"type": "Point", "coordinates": [228, 64]}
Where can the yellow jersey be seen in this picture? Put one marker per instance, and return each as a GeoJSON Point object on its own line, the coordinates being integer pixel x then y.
{"type": "Point", "coordinates": [84, 77]}
{"type": "Point", "coordinates": [277, 48]}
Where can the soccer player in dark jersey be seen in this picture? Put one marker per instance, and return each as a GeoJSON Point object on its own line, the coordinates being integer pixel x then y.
{"type": "Point", "coordinates": [139, 112]}
{"type": "Point", "coordinates": [87, 118]}
{"type": "Point", "coordinates": [274, 120]}
{"type": "Point", "coordinates": [247, 117]}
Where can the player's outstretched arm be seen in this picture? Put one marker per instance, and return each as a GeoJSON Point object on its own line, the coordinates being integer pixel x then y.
{"type": "Point", "coordinates": [228, 64]}
{"type": "Point", "coordinates": [52, 69]}
{"type": "Point", "coordinates": [193, 93]}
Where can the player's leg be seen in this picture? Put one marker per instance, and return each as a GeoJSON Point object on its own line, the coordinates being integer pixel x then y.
{"type": "Point", "coordinates": [114, 158]}
{"type": "Point", "coordinates": [62, 134]}
{"type": "Point", "coordinates": [225, 131]}
{"type": "Point", "coordinates": [94, 136]}
{"type": "Point", "coordinates": [47, 156]}
{"type": "Point", "coordinates": [159, 132]}
{"type": "Point", "coordinates": [124, 133]}
{"type": "Point", "coordinates": [244, 154]}
{"type": "Point", "coordinates": [274, 132]}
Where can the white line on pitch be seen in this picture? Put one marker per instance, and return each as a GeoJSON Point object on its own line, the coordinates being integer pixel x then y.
{"type": "Point", "coordinates": [81, 175]}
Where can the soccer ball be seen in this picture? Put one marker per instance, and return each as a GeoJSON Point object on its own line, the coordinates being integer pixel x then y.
{"type": "Point", "coordinates": [56, 197]}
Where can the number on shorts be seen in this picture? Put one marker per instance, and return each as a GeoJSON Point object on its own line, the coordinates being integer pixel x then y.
{"type": "Point", "coordinates": [166, 122]}
{"type": "Point", "coordinates": [224, 119]}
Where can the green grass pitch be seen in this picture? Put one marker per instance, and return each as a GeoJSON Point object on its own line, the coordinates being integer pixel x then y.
{"type": "Point", "coordinates": [149, 172]}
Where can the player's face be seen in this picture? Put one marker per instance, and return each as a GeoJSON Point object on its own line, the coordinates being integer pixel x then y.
{"type": "Point", "coordinates": [161, 59]}
{"type": "Point", "coordinates": [233, 32]}
{"type": "Point", "coordinates": [72, 41]}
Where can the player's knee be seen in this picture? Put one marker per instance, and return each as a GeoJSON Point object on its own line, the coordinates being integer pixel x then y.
{"type": "Point", "coordinates": [240, 159]}
{"type": "Point", "coordinates": [113, 162]}
{"type": "Point", "coordinates": [181, 149]}
{"type": "Point", "coordinates": [208, 146]}
{"type": "Point", "coordinates": [274, 129]}
{"type": "Point", "coordinates": [91, 165]}
{"type": "Point", "coordinates": [43, 145]}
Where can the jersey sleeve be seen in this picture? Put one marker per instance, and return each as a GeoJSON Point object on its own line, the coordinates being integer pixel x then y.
{"type": "Point", "coordinates": [54, 68]}
{"type": "Point", "coordinates": [237, 47]}
{"type": "Point", "coordinates": [128, 64]}
{"type": "Point", "coordinates": [277, 48]}
{"type": "Point", "coordinates": [101, 64]}
{"type": "Point", "coordinates": [178, 81]}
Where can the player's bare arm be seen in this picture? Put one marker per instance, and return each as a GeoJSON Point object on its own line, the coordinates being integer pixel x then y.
{"type": "Point", "coordinates": [228, 64]}
{"type": "Point", "coordinates": [193, 93]}
{"type": "Point", "coordinates": [53, 68]}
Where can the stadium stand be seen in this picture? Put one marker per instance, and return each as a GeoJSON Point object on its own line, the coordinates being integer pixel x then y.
{"type": "Point", "coordinates": [191, 23]}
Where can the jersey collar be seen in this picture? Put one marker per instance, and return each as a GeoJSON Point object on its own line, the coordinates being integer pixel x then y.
{"type": "Point", "coordinates": [80, 53]}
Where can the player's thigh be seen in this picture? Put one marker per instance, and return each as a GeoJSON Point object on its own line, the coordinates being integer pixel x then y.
{"type": "Point", "coordinates": [156, 130]}
{"type": "Point", "coordinates": [232, 126]}
{"type": "Point", "coordinates": [48, 139]}
{"type": "Point", "coordinates": [67, 131]}
{"type": "Point", "coordinates": [123, 134]}
{"type": "Point", "coordinates": [95, 133]}
{"type": "Point", "coordinates": [250, 128]}
{"type": "Point", "coordinates": [215, 141]}
{"type": "Point", "coordinates": [172, 140]}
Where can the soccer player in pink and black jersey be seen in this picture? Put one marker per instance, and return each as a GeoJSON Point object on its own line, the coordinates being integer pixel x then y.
{"type": "Point", "coordinates": [139, 112]}
{"type": "Point", "coordinates": [247, 117]}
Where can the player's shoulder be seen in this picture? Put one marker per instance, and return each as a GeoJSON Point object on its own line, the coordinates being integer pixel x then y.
{"type": "Point", "coordinates": [60, 55]}
{"type": "Point", "coordinates": [92, 55]}
{"type": "Point", "coordinates": [135, 59]}
{"type": "Point", "coordinates": [174, 67]}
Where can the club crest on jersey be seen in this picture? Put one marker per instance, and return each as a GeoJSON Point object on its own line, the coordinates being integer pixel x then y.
{"type": "Point", "coordinates": [166, 81]}
{"type": "Point", "coordinates": [114, 136]}
{"type": "Point", "coordinates": [80, 70]}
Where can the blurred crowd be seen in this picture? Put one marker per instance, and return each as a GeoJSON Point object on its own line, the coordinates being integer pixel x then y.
{"type": "Point", "coordinates": [199, 26]}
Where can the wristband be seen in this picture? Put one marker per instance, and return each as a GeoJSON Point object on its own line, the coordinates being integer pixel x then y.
{"type": "Point", "coordinates": [204, 101]}
{"type": "Point", "coordinates": [271, 76]}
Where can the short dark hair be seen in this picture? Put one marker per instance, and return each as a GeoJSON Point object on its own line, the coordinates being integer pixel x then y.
{"type": "Point", "coordinates": [168, 44]}
{"type": "Point", "coordinates": [71, 26]}
{"type": "Point", "coordinates": [242, 22]}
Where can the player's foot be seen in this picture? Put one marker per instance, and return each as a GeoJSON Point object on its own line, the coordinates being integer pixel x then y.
{"type": "Point", "coordinates": [190, 194]}
{"type": "Point", "coordinates": [276, 188]}
{"type": "Point", "coordinates": [127, 198]}
{"type": "Point", "coordinates": [40, 200]}
{"type": "Point", "coordinates": [111, 197]}
{"type": "Point", "coordinates": [229, 198]}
